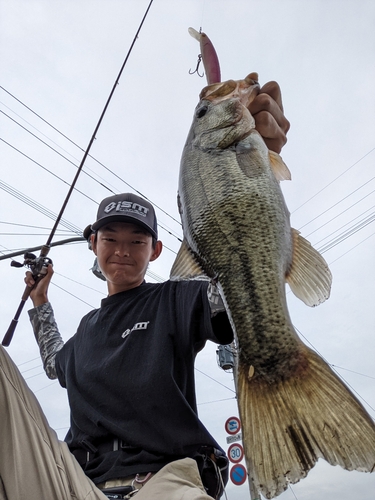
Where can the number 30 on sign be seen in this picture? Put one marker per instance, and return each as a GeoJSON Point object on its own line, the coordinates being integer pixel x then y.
{"type": "Point", "coordinates": [235, 453]}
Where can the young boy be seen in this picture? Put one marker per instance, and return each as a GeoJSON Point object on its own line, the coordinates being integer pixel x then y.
{"type": "Point", "coordinates": [129, 372]}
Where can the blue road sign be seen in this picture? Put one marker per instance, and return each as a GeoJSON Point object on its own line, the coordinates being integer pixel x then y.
{"type": "Point", "coordinates": [238, 474]}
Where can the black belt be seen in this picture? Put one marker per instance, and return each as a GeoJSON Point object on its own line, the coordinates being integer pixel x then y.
{"type": "Point", "coordinates": [88, 451]}
{"type": "Point", "coordinates": [119, 492]}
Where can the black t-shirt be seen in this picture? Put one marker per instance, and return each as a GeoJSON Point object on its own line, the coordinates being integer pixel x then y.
{"type": "Point", "coordinates": [129, 372]}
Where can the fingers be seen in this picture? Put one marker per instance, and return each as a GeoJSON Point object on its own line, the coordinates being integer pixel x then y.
{"type": "Point", "coordinates": [274, 91]}
{"type": "Point", "coordinates": [267, 110]}
{"type": "Point", "coordinates": [39, 293]}
{"type": "Point", "coordinates": [29, 280]}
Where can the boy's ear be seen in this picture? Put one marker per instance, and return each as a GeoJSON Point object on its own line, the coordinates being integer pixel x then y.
{"type": "Point", "coordinates": [93, 243]}
{"type": "Point", "coordinates": [156, 251]}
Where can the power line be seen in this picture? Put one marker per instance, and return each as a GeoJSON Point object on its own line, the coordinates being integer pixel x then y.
{"type": "Point", "coordinates": [37, 206]}
{"type": "Point", "coordinates": [31, 226]}
{"type": "Point", "coordinates": [334, 180]}
{"type": "Point", "coordinates": [346, 234]}
{"type": "Point", "coordinates": [342, 212]}
{"type": "Point", "coordinates": [335, 204]}
{"type": "Point", "coordinates": [175, 219]}
{"type": "Point", "coordinates": [342, 227]}
{"type": "Point", "coordinates": [338, 374]}
{"type": "Point", "coordinates": [161, 225]}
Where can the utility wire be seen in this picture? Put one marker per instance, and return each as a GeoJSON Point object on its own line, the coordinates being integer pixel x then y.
{"type": "Point", "coordinates": [335, 204]}
{"type": "Point", "coordinates": [40, 208]}
{"type": "Point", "coordinates": [338, 374]}
{"type": "Point", "coordinates": [53, 149]}
{"type": "Point", "coordinates": [161, 225]}
{"type": "Point", "coordinates": [355, 246]}
{"type": "Point", "coordinates": [342, 212]}
{"type": "Point", "coordinates": [346, 234]}
{"type": "Point", "coordinates": [334, 180]}
{"type": "Point", "coordinates": [159, 207]}
{"type": "Point", "coordinates": [343, 226]}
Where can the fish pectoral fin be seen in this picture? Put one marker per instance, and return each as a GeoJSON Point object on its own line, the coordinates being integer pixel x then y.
{"type": "Point", "coordinates": [309, 276]}
{"type": "Point", "coordinates": [185, 266]}
{"type": "Point", "coordinates": [280, 170]}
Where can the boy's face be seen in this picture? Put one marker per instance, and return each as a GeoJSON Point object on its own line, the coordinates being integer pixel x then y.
{"type": "Point", "coordinates": [124, 251]}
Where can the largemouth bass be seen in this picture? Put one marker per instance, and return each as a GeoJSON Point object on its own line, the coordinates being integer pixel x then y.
{"type": "Point", "coordinates": [293, 408]}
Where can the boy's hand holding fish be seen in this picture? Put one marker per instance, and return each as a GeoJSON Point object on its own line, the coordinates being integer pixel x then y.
{"type": "Point", "coordinates": [267, 110]}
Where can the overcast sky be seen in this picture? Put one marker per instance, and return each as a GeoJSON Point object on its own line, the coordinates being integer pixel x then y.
{"type": "Point", "coordinates": [61, 58]}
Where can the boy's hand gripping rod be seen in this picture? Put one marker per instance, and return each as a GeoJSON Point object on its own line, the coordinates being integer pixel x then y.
{"type": "Point", "coordinates": [39, 265]}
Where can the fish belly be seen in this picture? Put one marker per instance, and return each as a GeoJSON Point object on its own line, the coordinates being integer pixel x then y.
{"type": "Point", "coordinates": [239, 227]}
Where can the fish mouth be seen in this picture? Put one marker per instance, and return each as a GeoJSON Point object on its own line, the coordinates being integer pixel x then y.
{"type": "Point", "coordinates": [245, 90]}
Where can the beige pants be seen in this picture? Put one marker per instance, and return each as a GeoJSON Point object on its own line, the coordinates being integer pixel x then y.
{"type": "Point", "coordinates": [35, 465]}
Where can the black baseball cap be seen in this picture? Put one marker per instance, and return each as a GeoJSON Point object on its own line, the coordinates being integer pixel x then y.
{"type": "Point", "coordinates": [125, 207]}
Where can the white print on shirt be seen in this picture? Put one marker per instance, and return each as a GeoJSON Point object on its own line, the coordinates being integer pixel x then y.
{"type": "Point", "coordinates": [138, 326]}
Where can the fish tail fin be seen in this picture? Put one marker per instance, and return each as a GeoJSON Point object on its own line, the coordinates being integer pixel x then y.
{"type": "Point", "coordinates": [287, 426]}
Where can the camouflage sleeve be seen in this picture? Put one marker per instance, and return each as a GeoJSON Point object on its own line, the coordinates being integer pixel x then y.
{"type": "Point", "coordinates": [47, 336]}
{"type": "Point", "coordinates": [214, 299]}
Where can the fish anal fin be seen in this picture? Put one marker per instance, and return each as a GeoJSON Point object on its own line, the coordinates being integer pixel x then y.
{"type": "Point", "coordinates": [186, 266]}
{"type": "Point", "coordinates": [280, 170]}
{"type": "Point", "coordinates": [309, 276]}
{"type": "Point", "coordinates": [288, 425]}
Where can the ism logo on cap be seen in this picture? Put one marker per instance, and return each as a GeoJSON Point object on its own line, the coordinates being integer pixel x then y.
{"type": "Point", "coordinates": [126, 207]}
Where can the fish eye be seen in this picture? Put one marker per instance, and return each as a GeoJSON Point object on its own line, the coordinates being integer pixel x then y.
{"type": "Point", "coordinates": [201, 111]}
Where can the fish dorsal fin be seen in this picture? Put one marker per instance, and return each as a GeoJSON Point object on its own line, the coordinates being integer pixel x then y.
{"type": "Point", "coordinates": [309, 277]}
{"type": "Point", "coordinates": [185, 266]}
{"type": "Point", "coordinates": [280, 170]}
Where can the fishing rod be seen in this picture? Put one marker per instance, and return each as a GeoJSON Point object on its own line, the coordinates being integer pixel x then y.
{"type": "Point", "coordinates": [38, 247]}
{"type": "Point", "coordinates": [39, 265]}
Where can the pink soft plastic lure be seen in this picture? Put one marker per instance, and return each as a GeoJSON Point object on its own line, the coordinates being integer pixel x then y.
{"type": "Point", "coordinates": [209, 57]}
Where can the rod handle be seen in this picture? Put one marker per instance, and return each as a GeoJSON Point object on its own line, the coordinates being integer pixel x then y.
{"type": "Point", "coordinates": [12, 327]}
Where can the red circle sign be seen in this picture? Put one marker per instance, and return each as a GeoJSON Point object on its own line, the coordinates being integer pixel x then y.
{"type": "Point", "coordinates": [233, 425]}
{"type": "Point", "coordinates": [238, 474]}
{"type": "Point", "coordinates": [235, 453]}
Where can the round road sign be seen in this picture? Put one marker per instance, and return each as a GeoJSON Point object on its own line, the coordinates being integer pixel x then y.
{"type": "Point", "coordinates": [235, 453]}
{"type": "Point", "coordinates": [238, 474]}
{"type": "Point", "coordinates": [233, 425]}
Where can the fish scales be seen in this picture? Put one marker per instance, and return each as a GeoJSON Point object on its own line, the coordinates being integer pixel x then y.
{"type": "Point", "coordinates": [224, 231]}
{"type": "Point", "coordinates": [293, 408]}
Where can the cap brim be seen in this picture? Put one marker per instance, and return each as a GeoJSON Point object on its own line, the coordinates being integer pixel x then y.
{"type": "Point", "coordinates": [121, 218]}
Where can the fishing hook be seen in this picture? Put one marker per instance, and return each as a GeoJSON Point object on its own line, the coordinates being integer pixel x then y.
{"type": "Point", "coordinates": [197, 68]}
